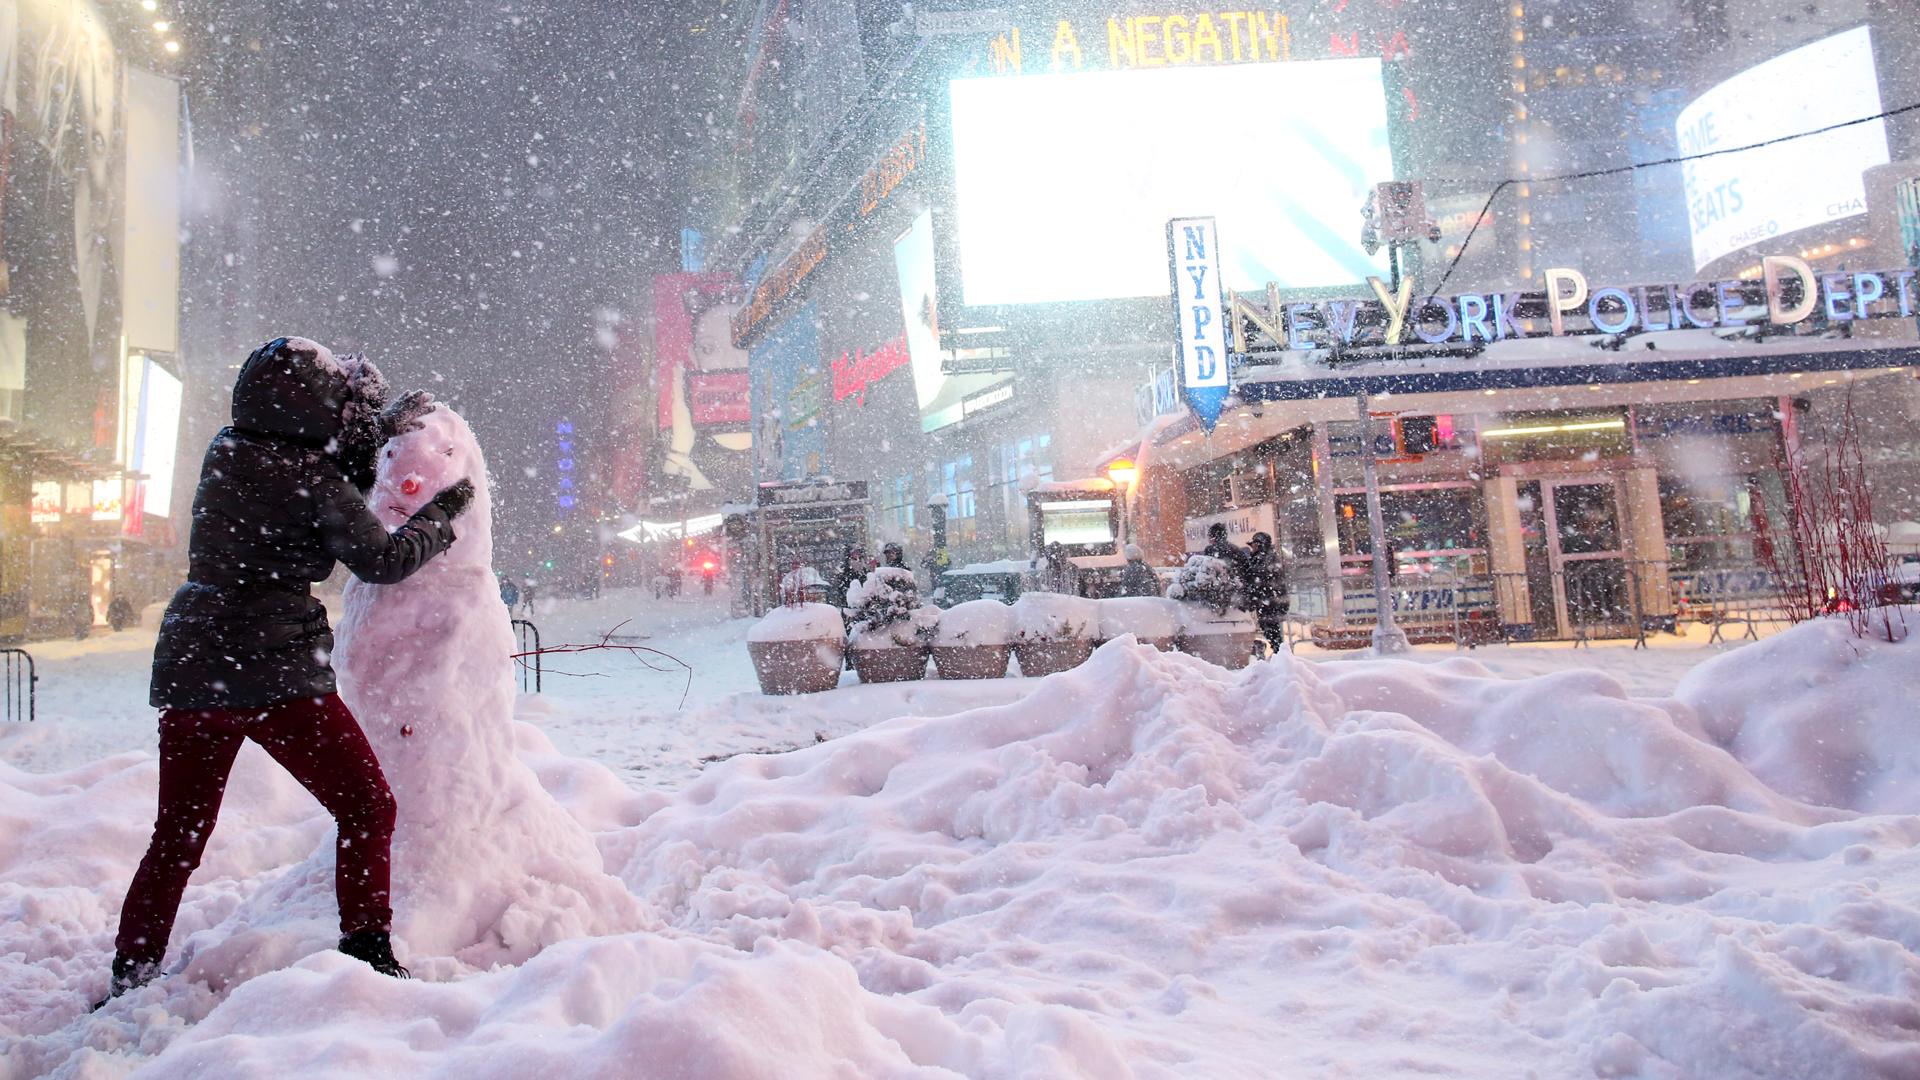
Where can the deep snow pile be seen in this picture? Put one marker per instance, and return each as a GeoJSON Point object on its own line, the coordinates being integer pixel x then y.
{"type": "Point", "coordinates": [1149, 866]}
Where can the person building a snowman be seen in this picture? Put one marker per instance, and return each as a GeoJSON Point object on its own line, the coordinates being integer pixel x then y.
{"type": "Point", "coordinates": [244, 650]}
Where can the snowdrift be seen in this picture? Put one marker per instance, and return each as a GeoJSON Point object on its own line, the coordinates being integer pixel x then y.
{"type": "Point", "coordinates": [1149, 866]}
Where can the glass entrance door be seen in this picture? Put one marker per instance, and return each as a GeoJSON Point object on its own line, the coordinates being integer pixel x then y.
{"type": "Point", "coordinates": [1585, 550]}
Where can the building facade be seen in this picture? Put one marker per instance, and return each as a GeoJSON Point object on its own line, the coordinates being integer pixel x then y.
{"type": "Point", "coordinates": [90, 355]}
{"type": "Point", "coordinates": [955, 309]}
{"type": "Point", "coordinates": [1642, 455]}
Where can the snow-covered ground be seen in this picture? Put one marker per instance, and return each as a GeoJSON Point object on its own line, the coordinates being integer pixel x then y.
{"type": "Point", "coordinates": [1686, 861]}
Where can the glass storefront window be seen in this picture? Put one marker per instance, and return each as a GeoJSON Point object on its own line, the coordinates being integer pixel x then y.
{"type": "Point", "coordinates": [1709, 519]}
{"type": "Point", "coordinates": [899, 512]}
{"type": "Point", "coordinates": [1430, 529]}
{"type": "Point", "coordinates": [958, 487]}
{"type": "Point", "coordinates": [1520, 437]}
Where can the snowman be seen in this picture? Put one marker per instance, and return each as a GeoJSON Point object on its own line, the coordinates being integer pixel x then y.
{"type": "Point", "coordinates": [487, 867]}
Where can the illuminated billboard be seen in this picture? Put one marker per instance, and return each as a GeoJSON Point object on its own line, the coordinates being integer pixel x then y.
{"type": "Point", "coordinates": [1064, 183]}
{"type": "Point", "coordinates": [1737, 200]}
{"type": "Point", "coordinates": [944, 399]}
{"type": "Point", "coordinates": [159, 439]}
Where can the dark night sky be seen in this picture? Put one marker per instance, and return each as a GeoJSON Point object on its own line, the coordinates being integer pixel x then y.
{"type": "Point", "coordinates": [455, 187]}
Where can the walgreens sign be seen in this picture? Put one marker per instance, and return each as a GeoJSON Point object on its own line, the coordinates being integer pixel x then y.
{"type": "Point", "coordinates": [854, 371]}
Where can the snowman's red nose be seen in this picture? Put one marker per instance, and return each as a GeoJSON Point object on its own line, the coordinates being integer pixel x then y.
{"type": "Point", "coordinates": [410, 486]}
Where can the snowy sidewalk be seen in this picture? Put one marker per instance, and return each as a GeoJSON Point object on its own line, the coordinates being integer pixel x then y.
{"type": "Point", "coordinates": [1144, 867]}
{"type": "Point", "coordinates": [1516, 861]}
{"type": "Point", "coordinates": [613, 708]}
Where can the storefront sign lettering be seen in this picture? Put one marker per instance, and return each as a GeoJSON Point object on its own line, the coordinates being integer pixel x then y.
{"type": "Point", "coordinates": [986, 399]}
{"type": "Point", "coordinates": [786, 283]}
{"type": "Point", "coordinates": [805, 494]}
{"type": "Point", "coordinates": [900, 161]}
{"type": "Point", "coordinates": [1171, 39]}
{"type": "Point", "coordinates": [1241, 525]}
{"type": "Point", "coordinates": [1789, 291]}
{"type": "Point", "coordinates": [719, 397]}
{"type": "Point", "coordinates": [1193, 259]}
{"type": "Point", "coordinates": [854, 372]}
{"type": "Point", "coordinates": [780, 285]}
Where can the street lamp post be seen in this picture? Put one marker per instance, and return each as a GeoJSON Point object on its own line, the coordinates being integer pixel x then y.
{"type": "Point", "coordinates": [1388, 638]}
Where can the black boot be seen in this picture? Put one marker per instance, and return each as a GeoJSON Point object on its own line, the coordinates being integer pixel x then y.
{"type": "Point", "coordinates": [127, 974]}
{"type": "Point", "coordinates": [376, 948]}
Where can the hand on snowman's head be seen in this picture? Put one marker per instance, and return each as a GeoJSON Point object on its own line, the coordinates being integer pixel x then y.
{"type": "Point", "coordinates": [404, 414]}
{"type": "Point", "coordinates": [361, 432]}
{"type": "Point", "coordinates": [434, 462]}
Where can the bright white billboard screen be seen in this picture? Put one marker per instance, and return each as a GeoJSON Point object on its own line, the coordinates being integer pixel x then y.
{"type": "Point", "coordinates": [159, 439]}
{"type": "Point", "coordinates": [1064, 183]}
{"type": "Point", "coordinates": [1738, 200]}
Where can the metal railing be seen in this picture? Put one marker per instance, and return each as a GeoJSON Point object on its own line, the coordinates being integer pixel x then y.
{"type": "Point", "coordinates": [1720, 595]}
{"type": "Point", "coordinates": [1583, 601]}
{"type": "Point", "coordinates": [530, 665]}
{"type": "Point", "coordinates": [1586, 600]}
{"type": "Point", "coordinates": [21, 682]}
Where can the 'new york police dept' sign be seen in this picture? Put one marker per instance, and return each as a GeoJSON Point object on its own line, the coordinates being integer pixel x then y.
{"type": "Point", "coordinates": [1193, 261]}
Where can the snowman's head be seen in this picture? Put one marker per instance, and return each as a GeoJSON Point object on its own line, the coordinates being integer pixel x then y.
{"type": "Point", "coordinates": [416, 465]}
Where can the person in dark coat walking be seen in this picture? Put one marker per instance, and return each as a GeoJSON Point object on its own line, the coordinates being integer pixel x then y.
{"type": "Point", "coordinates": [1138, 579]}
{"type": "Point", "coordinates": [1263, 581]}
{"type": "Point", "coordinates": [1219, 547]}
{"type": "Point", "coordinates": [244, 648]}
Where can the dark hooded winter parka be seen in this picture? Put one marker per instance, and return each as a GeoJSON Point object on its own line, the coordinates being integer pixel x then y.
{"type": "Point", "coordinates": [272, 514]}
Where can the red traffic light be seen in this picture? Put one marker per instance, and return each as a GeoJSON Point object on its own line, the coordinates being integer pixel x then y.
{"type": "Point", "coordinates": [708, 565]}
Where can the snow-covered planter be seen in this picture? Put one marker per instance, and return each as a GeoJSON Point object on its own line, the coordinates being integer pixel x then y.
{"type": "Point", "coordinates": [1154, 620]}
{"type": "Point", "coordinates": [1224, 638]}
{"type": "Point", "coordinates": [890, 628]}
{"type": "Point", "coordinates": [1211, 626]}
{"type": "Point", "coordinates": [803, 585]}
{"type": "Point", "coordinates": [974, 640]}
{"type": "Point", "coordinates": [798, 649]}
{"type": "Point", "coordinates": [1053, 632]}
{"type": "Point", "coordinates": [1205, 581]}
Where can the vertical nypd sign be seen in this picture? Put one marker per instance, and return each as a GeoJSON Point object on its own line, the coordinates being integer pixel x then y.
{"type": "Point", "coordinates": [1193, 259]}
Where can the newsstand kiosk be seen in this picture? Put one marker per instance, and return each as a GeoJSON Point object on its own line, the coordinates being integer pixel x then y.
{"type": "Point", "coordinates": [809, 523]}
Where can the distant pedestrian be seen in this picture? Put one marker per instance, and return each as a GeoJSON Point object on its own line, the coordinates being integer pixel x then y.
{"type": "Point", "coordinates": [1057, 572]}
{"type": "Point", "coordinates": [120, 613]}
{"type": "Point", "coordinates": [1263, 582]}
{"type": "Point", "coordinates": [1138, 579]}
{"type": "Point", "coordinates": [509, 594]}
{"type": "Point", "coordinates": [1219, 547]}
{"type": "Point", "coordinates": [853, 570]}
{"type": "Point", "coordinates": [892, 554]}
{"type": "Point", "coordinates": [527, 588]}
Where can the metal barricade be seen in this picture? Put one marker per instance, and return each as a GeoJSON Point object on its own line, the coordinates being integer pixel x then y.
{"type": "Point", "coordinates": [1720, 595]}
{"type": "Point", "coordinates": [21, 681]}
{"type": "Point", "coordinates": [1603, 600]}
{"type": "Point", "coordinates": [1442, 607]}
{"type": "Point", "coordinates": [529, 658]}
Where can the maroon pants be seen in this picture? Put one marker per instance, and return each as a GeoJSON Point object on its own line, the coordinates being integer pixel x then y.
{"type": "Point", "coordinates": [315, 739]}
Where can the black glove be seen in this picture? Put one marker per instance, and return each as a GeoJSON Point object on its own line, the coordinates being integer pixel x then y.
{"type": "Point", "coordinates": [453, 500]}
{"type": "Point", "coordinates": [361, 429]}
{"type": "Point", "coordinates": [404, 414]}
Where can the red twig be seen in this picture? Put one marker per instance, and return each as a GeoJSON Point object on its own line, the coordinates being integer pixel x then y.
{"type": "Point", "coordinates": [1838, 561]}
{"type": "Point", "coordinates": [606, 642]}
